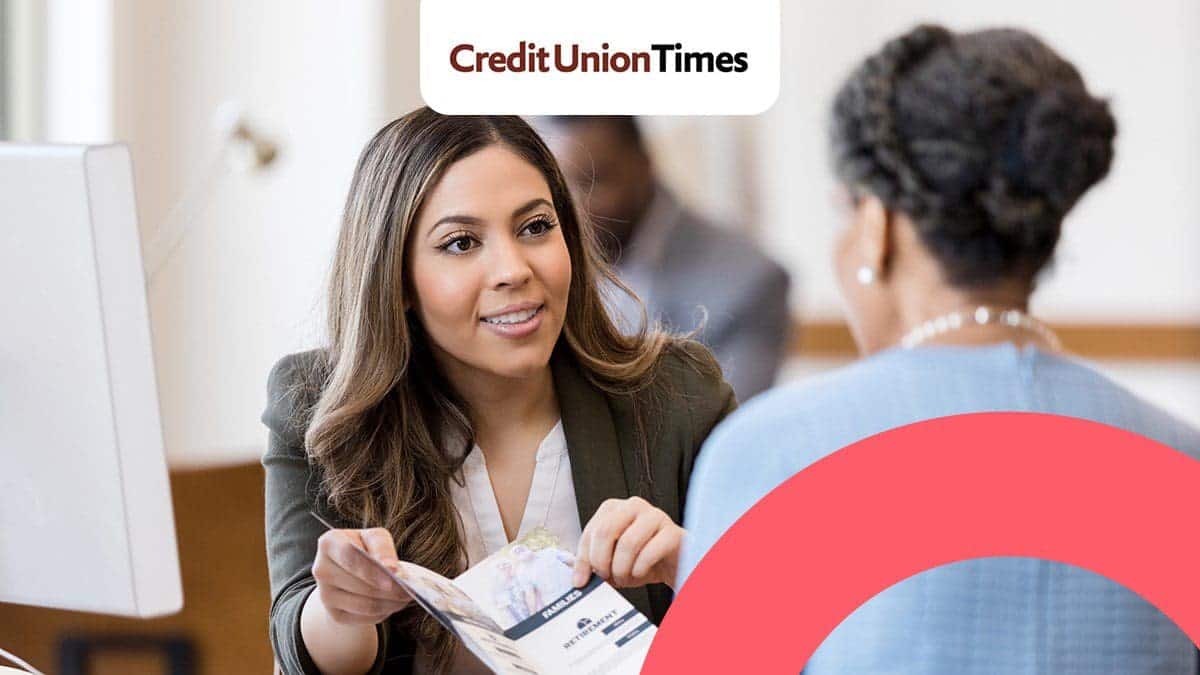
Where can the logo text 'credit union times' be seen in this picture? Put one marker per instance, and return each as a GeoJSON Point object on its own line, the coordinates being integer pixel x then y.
{"type": "Point", "coordinates": [661, 57]}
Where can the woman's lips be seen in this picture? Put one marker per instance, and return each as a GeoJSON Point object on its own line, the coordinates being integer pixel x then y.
{"type": "Point", "coordinates": [515, 329]}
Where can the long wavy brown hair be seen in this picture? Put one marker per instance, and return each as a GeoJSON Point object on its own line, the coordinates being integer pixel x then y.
{"type": "Point", "coordinates": [380, 427]}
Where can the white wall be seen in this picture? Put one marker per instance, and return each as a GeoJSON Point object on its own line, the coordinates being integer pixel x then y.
{"type": "Point", "coordinates": [1132, 248]}
{"type": "Point", "coordinates": [244, 285]}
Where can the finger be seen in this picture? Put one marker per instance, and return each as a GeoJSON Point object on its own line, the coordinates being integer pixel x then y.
{"type": "Point", "coordinates": [328, 573]}
{"type": "Point", "coordinates": [582, 565]}
{"type": "Point", "coordinates": [583, 568]}
{"type": "Point", "coordinates": [378, 542]}
{"type": "Point", "coordinates": [630, 544]}
{"type": "Point", "coordinates": [606, 530]}
{"type": "Point", "coordinates": [345, 547]}
{"type": "Point", "coordinates": [375, 549]}
{"type": "Point", "coordinates": [364, 608]}
{"type": "Point", "coordinates": [339, 546]}
{"type": "Point", "coordinates": [663, 547]}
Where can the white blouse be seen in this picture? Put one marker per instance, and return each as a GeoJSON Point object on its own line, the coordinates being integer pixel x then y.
{"type": "Point", "coordinates": [551, 503]}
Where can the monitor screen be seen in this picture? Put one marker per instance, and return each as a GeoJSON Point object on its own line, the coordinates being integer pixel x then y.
{"type": "Point", "coordinates": [85, 503]}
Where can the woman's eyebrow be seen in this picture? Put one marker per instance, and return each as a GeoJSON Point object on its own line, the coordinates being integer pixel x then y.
{"type": "Point", "coordinates": [465, 220]}
{"type": "Point", "coordinates": [530, 205]}
{"type": "Point", "coordinates": [476, 221]}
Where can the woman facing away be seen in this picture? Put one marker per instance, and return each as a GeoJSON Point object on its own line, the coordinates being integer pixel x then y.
{"type": "Point", "coordinates": [960, 155]}
{"type": "Point", "coordinates": [473, 388]}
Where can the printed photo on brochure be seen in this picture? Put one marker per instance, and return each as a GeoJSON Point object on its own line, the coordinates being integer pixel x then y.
{"type": "Point", "coordinates": [519, 612]}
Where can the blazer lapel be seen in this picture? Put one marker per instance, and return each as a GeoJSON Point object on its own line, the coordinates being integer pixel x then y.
{"type": "Point", "coordinates": [597, 464]}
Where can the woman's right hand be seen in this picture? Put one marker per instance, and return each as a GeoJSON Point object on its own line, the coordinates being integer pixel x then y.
{"type": "Point", "coordinates": [352, 589]}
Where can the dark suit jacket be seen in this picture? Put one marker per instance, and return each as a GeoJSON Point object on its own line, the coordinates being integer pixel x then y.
{"type": "Point", "coordinates": [699, 265]}
{"type": "Point", "coordinates": [601, 443]}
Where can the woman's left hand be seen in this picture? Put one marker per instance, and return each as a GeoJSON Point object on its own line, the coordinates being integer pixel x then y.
{"type": "Point", "coordinates": [629, 542]}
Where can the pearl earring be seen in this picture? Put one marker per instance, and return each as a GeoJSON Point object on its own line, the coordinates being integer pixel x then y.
{"type": "Point", "coordinates": [866, 275]}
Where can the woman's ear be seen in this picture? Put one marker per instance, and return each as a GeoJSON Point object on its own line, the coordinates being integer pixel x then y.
{"type": "Point", "coordinates": [874, 231]}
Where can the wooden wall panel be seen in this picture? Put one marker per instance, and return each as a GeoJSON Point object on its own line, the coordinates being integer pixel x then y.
{"type": "Point", "coordinates": [1093, 341]}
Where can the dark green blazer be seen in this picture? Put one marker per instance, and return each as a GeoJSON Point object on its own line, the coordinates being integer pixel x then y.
{"type": "Point", "coordinates": [602, 444]}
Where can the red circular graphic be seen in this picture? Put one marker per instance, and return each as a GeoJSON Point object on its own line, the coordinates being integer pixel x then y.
{"type": "Point", "coordinates": [929, 494]}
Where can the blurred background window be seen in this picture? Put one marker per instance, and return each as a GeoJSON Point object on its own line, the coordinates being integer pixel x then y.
{"type": "Point", "coordinates": [4, 77]}
{"type": "Point", "coordinates": [21, 58]}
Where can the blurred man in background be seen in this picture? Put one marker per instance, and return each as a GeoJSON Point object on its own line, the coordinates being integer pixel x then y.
{"type": "Point", "coordinates": [678, 264]}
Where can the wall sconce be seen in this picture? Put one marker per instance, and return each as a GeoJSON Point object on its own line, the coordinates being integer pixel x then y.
{"type": "Point", "coordinates": [241, 146]}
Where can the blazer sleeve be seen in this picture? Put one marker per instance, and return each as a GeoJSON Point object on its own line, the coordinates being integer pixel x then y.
{"type": "Point", "coordinates": [292, 491]}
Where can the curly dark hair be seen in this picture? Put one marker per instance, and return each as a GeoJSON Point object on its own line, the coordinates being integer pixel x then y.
{"type": "Point", "coordinates": [984, 140]}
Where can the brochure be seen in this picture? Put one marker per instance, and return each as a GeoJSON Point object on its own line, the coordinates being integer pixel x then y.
{"type": "Point", "coordinates": [519, 613]}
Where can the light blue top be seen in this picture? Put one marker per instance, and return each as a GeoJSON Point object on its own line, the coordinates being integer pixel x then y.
{"type": "Point", "coordinates": [995, 615]}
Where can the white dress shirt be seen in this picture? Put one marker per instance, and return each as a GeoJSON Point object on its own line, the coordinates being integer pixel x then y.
{"type": "Point", "coordinates": [551, 504]}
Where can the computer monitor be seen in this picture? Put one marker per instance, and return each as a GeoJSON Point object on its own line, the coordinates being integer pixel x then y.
{"type": "Point", "coordinates": [86, 521]}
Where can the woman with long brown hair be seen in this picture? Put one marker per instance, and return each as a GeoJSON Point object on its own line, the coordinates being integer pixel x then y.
{"type": "Point", "coordinates": [473, 387]}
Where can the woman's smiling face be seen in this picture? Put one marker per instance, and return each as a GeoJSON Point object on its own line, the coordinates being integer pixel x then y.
{"type": "Point", "coordinates": [490, 269]}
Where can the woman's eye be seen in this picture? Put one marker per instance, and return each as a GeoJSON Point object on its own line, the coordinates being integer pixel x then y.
{"type": "Point", "coordinates": [539, 227]}
{"type": "Point", "coordinates": [459, 245]}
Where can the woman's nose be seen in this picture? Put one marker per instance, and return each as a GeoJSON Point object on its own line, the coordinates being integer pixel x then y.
{"type": "Point", "coordinates": [509, 266]}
